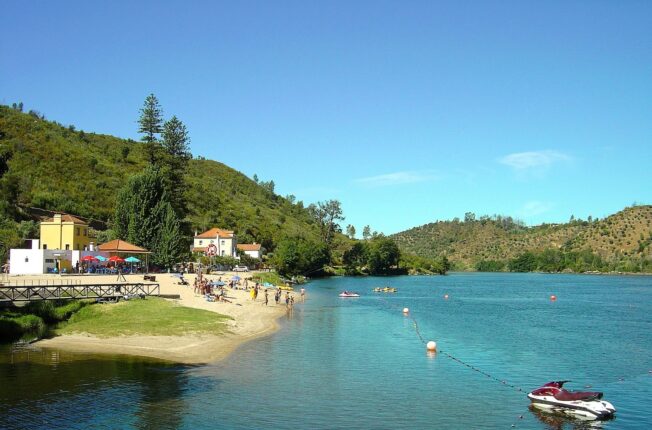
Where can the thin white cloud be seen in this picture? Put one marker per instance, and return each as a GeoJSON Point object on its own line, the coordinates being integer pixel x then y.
{"type": "Point", "coordinates": [534, 208]}
{"type": "Point", "coordinates": [533, 159]}
{"type": "Point", "coordinates": [397, 178]}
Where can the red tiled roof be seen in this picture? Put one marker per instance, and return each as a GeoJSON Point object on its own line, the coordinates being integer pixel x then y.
{"type": "Point", "coordinates": [122, 246]}
{"type": "Point", "coordinates": [215, 232]}
{"type": "Point", "coordinates": [69, 218]}
{"type": "Point", "coordinates": [249, 246]}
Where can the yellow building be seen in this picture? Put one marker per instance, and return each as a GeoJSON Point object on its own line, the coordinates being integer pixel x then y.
{"type": "Point", "coordinates": [64, 232]}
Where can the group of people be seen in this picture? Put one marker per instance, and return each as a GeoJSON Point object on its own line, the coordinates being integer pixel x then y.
{"type": "Point", "coordinates": [217, 292]}
{"type": "Point", "coordinates": [289, 300]}
{"type": "Point", "coordinates": [212, 292]}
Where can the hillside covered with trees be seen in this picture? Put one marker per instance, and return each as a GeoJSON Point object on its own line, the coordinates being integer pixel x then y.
{"type": "Point", "coordinates": [44, 164]}
{"type": "Point", "coordinates": [620, 242]}
{"type": "Point", "coordinates": [153, 193]}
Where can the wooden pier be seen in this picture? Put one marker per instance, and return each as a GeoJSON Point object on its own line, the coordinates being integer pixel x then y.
{"type": "Point", "coordinates": [29, 293]}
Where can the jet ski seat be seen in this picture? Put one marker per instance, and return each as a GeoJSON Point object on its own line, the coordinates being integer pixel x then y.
{"type": "Point", "coordinates": [568, 396]}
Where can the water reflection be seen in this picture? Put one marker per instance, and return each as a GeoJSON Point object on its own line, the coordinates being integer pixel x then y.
{"type": "Point", "coordinates": [42, 387]}
{"type": "Point", "coordinates": [563, 422]}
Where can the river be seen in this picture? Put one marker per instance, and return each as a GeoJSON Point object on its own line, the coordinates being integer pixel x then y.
{"type": "Point", "coordinates": [360, 363]}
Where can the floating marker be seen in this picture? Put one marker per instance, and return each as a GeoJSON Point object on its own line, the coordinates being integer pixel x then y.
{"type": "Point", "coordinates": [553, 298]}
{"type": "Point", "coordinates": [406, 310]}
{"type": "Point", "coordinates": [431, 346]}
{"type": "Point", "coordinates": [446, 296]}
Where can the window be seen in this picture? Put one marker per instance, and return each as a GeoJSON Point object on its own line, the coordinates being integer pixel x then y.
{"type": "Point", "coordinates": [200, 242]}
{"type": "Point", "coordinates": [222, 242]}
{"type": "Point", "coordinates": [45, 246]}
{"type": "Point", "coordinates": [67, 246]}
{"type": "Point", "coordinates": [77, 231]}
{"type": "Point", "coordinates": [212, 241]}
{"type": "Point", "coordinates": [85, 232]}
{"type": "Point", "coordinates": [26, 259]}
{"type": "Point", "coordinates": [49, 260]}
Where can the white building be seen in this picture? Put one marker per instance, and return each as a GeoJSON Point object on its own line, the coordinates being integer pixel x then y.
{"type": "Point", "coordinates": [37, 261]}
{"type": "Point", "coordinates": [251, 249]}
{"type": "Point", "coordinates": [224, 241]}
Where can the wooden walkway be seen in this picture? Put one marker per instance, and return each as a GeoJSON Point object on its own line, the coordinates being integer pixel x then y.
{"type": "Point", "coordinates": [29, 293]}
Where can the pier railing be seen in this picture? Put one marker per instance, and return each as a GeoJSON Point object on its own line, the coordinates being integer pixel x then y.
{"type": "Point", "coordinates": [28, 293]}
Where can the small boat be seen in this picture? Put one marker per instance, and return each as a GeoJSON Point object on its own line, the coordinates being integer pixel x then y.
{"type": "Point", "coordinates": [385, 290]}
{"type": "Point", "coordinates": [552, 397]}
{"type": "Point", "coordinates": [349, 294]}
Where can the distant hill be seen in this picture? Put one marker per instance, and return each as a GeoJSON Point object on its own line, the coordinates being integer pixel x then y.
{"type": "Point", "coordinates": [621, 240]}
{"type": "Point", "coordinates": [46, 165]}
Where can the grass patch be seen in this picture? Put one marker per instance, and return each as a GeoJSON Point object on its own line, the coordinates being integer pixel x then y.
{"type": "Point", "coordinates": [271, 277]}
{"type": "Point", "coordinates": [34, 318]}
{"type": "Point", "coordinates": [13, 326]}
{"type": "Point", "coordinates": [153, 316]}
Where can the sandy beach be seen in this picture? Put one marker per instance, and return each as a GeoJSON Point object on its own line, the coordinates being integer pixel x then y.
{"type": "Point", "coordinates": [250, 320]}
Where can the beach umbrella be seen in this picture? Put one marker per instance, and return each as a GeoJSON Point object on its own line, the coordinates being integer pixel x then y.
{"type": "Point", "coordinates": [132, 260]}
{"type": "Point", "coordinates": [235, 278]}
{"type": "Point", "coordinates": [89, 258]}
{"type": "Point", "coordinates": [115, 259]}
{"type": "Point", "coordinates": [101, 258]}
{"type": "Point", "coordinates": [267, 284]}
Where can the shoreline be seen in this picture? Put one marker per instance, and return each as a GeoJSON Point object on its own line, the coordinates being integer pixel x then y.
{"type": "Point", "coordinates": [250, 320]}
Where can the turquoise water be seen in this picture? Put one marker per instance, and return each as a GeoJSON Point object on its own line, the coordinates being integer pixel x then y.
{"type": "Point", "coordinates": [359, 363]}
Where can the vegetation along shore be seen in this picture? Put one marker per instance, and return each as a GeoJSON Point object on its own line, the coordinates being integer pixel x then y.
{"type": "Point", "coordinates": [155, 194]}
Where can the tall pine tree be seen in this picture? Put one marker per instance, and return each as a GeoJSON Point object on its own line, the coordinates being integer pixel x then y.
{"type": "Point", "coordinates": [170, 245]}
{"type": "Point", "coordinates": [176, 139]}
{"type": "Point", "coordinates": [151, 125]}
{"type": "Point", "coordinates": [175, 162]}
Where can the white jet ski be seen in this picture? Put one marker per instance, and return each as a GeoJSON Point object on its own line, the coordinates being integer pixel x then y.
{"type": "Point", "coordinates": [552, 397]}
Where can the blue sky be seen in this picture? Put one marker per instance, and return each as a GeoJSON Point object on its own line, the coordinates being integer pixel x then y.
{"type": "Point", "coordinates": [406, 112]}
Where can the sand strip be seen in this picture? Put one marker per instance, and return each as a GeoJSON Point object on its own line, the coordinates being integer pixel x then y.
{"type": "Point", "coordinates": [251, 320]}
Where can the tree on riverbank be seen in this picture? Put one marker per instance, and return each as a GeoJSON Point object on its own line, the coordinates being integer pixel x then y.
{"type": "Point", "coordinates": [300, 256]}
{"type": "Point", "coordinates": [144, 216]}
{"type": "Point", "coordinates": [376, 256]}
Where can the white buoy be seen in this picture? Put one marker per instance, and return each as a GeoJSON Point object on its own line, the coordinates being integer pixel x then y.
{"type": "Point", "coordinates": [406, 310]}
{"type": "Point", "coordinates": [431, 346]}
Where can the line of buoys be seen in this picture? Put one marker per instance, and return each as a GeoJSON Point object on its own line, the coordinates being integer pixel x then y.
{"type": "Point", "coordinates": [431, 351]}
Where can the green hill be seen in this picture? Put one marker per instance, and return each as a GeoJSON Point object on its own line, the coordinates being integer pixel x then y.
{"type": "Point", "coordinates": [46, 165]}
{"type": "Point", "coordinates": [619, 242]}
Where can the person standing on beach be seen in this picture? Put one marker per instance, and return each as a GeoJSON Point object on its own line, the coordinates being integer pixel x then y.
{"type": "Point", "coordinates": [277, 296]}
{"type": "Point", "coordinates": [266, 297]}
{"type": "Point", "coordinates": [287, 299]}
{"type": "Point", "coordinates": [303, 294]}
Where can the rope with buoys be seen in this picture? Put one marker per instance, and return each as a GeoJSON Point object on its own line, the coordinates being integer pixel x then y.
{"type": "Point", "coordinates": [415, 324]}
